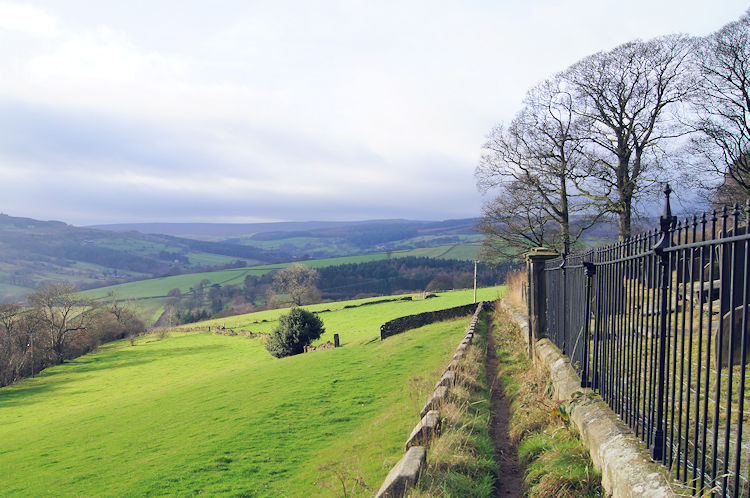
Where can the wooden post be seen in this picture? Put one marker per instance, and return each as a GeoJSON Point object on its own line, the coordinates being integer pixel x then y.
{"type": "Point", "coordinates": [335, 340]}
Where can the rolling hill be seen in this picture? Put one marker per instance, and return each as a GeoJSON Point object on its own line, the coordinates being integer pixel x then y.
{"type": "Point", "coordinates": [322, 239]}
{"type": "Point", "coordinates": [34, 252]}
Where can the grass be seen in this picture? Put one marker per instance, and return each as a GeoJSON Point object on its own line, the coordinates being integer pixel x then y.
{"type": "Point", "coordinates": [466, 247]}
{"type": "Point", "coordinates": [8, 291]}
{"type": "Point", "coordinates": [556, 462]}
{"type": "Point", "coordinates": [198, 413]}
{"type": "Point", "coordinates": [466, 252]}
{"type": "Point", "coordinates": [356, 325]}
{"type": "Point", "coordinates": [158, 287]}
{"type": "Point", "coordinates": [461, 462]}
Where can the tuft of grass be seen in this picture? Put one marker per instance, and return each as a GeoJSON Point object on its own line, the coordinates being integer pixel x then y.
{"type": "Point", "coordinates": [556, 462]}
{"type": "Point", "coordinates": [557, 465]}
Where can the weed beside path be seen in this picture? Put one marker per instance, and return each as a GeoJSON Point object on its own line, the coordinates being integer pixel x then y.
{"type": "Point", "coordinates": [555, 461]}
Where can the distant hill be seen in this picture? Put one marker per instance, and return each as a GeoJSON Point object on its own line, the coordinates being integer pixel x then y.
{"type": "Point", "coordinates": [34, 252]}
{"type": "Point", "coordinates": [219, 231]}
{"type": "Point", "coordinates": [321, 239]}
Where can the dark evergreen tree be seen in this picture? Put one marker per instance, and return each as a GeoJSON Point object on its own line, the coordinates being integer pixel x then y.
{"type": "Point", "coordinates": [296, 329]}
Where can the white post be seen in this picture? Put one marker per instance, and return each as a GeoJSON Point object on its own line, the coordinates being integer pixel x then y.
{"type": "Point", "coordinates": [475, 282]}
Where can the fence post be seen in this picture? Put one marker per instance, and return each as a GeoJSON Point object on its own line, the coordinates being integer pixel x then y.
{"type": "Point", "coordinates": [666, 222]}
{"type": "Point", "coordinates": [563, 327]}
{"type": "Point", "coordinates": [537, 293]}
{"type": "Point", "coordinates": [589, 270]}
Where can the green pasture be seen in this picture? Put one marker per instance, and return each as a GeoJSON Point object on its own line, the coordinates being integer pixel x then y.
{"type": "Point", "coordinates": [208, 259]}
{"type": "Point", "coordinates": [358, 324]}
{"type": "Point", "coordinates": [320, 246]}
{"type": "Point", "coordinates": [310, 245]}
{"type": "Point", "coordinates": [198, 413]}
{"type": "Point", "coordinates": [8, 291]}
{"type": "Point", "coordinates": [158, 287]}
{"type": "Point", "coordinates": [129, 244]}
{"type": "Point", "coordinates": [467, 252]}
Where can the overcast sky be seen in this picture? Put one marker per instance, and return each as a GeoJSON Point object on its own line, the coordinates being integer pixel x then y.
{"type": "Point", "coordinates": [241, 111]}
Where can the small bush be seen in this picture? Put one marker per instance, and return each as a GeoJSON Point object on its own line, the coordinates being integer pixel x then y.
{"type": "Point", "coordinates": [296, 329]}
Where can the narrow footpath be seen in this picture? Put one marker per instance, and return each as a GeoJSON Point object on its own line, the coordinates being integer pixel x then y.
{"type": "Point", "coordinates": [510, 478]}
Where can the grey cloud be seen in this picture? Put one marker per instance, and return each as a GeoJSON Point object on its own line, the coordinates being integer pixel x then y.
{"type": "Point", "coordinates": [58, 138]}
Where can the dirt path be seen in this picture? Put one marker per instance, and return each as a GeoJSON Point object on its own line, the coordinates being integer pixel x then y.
{"type": "Point", "coordinates": [510, 478]}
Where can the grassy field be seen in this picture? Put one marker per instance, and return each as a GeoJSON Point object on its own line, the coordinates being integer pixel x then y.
{"type": "Point", "coordinates": [328, 246]}
{"type": "Point", "coordinates": [158, 287]}
{"type": "Point", "coordinates": [197, 413]}
{"type": "Point", "coordinates": [355, 325]}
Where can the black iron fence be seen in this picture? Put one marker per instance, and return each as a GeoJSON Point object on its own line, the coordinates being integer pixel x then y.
{"type": "Point", "coordinates": [658, 326]}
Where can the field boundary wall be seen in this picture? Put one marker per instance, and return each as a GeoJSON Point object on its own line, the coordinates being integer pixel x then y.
{"type": "Point", "coordinates": [408, 322]}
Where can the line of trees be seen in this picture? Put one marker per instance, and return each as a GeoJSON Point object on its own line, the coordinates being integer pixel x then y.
{"type": "Point", "coordinates": [57, 325]}
{"type": "Point", "coordinates": [595, 139]}
{"type": "Point", "coordinates": [298, 284]}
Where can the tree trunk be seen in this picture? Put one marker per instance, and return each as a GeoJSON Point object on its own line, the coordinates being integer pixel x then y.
{"type": "Point", "coordinates": [564, 216]}
{"type": "Point", "coordinates": [625, 218]}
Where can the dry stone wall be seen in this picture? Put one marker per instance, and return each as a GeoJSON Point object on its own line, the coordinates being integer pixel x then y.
{"type": "Point", "coordinates": [408, 322]}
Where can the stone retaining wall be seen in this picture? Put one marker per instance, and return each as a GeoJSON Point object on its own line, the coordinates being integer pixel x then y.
{"type": "Point", "coordinates": [626, 467]}
{"type": "Point", "coordinates": [405, 473]}
{"type": "Point", "coordinates": [408, 322]}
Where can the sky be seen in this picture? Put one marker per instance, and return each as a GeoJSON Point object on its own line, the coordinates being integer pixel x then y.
{"type": "Point", "coordinates": [247, 111]}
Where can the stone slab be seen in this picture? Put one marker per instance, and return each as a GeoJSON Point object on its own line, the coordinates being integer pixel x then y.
{"type": "Point", "coordinates": [425, 430]}
{"type": "Point", "coordinates": [454, 365]}
{"type": "Point", "coordinates": [437, 400]}
{"type": "Point", "coordinates": [448, 379]}
{"type": "Point", "coordinates": [404, 475]}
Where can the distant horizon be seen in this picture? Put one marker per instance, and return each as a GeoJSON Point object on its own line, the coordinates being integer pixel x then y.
{"type": "Point", "coordinates": [370, 220]}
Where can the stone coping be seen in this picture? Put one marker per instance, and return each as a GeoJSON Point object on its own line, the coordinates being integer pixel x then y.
{"type": "Point", "coordinates": [404, 474]}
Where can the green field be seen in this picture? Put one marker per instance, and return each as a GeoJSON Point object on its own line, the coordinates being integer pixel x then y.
{"type": "Point", "coordinates": [198, 413]}
{"type": "Point", "coordinates": [360, 323]}
{"type": "Point", "coordinates": [158, 287]}
{"type": "Point", "coordinates": [326, 246]}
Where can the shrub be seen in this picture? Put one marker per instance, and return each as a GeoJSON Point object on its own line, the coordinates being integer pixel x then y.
{"type": "Point", "coordinates": [296, 329]}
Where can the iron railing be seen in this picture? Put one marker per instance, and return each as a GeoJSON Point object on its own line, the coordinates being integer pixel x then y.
{"type": "Point", "coordinates": [658, 326]}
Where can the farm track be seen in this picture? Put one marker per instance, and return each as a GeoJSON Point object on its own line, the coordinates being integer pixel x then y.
{"type": "Point", "coordinates": [510, 474]}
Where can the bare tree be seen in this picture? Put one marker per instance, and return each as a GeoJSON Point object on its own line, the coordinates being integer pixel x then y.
{"type": "Point", "coordinates": [540, 153]}
{"type": "Point", "coordinates": [61, 313]}
{"type": "Point", "coordinates": [295, 284]}
{"type": "Point", "coordinates": [626, 97]}
{"type": "Point", "coordinates": [13, 344]}
{"type": "Point", "coordinates": [514, 222]}
{"type": "Point", "coordinates": [722, 109]}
